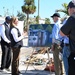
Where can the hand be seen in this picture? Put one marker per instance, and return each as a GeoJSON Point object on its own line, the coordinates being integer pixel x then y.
{"type": "Point", "coordinates": [9, 43]}
{"type": "Point", "coordinates": [24, 34]}
{"type": "Point", "coordinates": [52, 47]}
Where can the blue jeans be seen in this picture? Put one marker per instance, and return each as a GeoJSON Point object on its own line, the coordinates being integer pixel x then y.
{"type": "Point", "coordinates": [66, 53]}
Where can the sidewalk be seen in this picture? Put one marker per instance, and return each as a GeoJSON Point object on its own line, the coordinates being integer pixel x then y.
{"type": "Point", "coordinates": [32, 69]}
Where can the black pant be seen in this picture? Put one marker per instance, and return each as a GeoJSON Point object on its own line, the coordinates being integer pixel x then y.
{"type": "Point", "coordinates": [6, 56]}
{"type": "Point", "coordinates": [71, 60]}
{"type": "Point", "coordinates": [15, 61]}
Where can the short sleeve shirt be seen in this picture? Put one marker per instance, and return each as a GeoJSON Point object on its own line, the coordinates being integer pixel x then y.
{"type": "Point", "coordinates": [69, 29]}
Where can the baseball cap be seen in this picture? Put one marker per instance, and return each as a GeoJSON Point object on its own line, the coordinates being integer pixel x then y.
{"type": "Point", "coordinates": [8, 18]}
{"type": "Point", "coordinates": [55, 14]}
{"type": "Point", "coordinates": [71, 5]}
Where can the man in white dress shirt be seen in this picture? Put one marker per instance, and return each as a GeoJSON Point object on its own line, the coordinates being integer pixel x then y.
{"type": "Point", "coordinates": [56, 41]}
{"type": "Point", "coordinates": [5, 44]}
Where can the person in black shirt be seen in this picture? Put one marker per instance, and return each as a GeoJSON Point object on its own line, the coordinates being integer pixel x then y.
{"type": "Point", "coordinates": [68, 29]}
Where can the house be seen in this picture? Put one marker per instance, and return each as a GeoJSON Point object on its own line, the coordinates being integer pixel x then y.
{"type": "Point", "coordinates": [41, 21]}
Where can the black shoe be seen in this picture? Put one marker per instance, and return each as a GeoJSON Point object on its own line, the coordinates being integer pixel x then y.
{"type": "Point", "coordinates": [19, 72]}
{"type": "Point", "coordinates": [1, 69]}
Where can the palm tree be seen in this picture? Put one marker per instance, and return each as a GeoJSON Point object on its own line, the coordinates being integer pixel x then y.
{"type": "Point", "coordinates": [21, 16]}
{"type": "Point", "coordinates": [29, 8]}
{"type": "Point", "coordinates": [63, 10]}
{"type": "Point", "coordinates": [37, 19]}
{"type": "Point", "coordinates": [47, 21]}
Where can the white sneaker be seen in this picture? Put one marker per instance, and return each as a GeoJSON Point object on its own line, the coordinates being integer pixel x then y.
{"type": "Point", "coordinates": [4, 70]}
{"type": "Point", "coordinates": [7, 69]}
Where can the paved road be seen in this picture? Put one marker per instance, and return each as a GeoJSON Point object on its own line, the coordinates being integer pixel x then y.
{"type": "Point", "coordinates": [32, 69]}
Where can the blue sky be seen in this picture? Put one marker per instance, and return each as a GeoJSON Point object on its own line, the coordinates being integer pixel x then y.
{"type": "Point", "coordinates": [47, 7]}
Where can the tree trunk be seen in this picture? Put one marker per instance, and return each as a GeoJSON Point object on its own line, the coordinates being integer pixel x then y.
{"type": "Point", "coordinates": [27, 22]}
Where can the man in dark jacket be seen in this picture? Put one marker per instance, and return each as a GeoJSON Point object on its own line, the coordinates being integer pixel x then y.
{"type": "Point", "coordinates": [5, 44]}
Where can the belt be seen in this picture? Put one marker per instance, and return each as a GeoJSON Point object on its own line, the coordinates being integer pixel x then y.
{"type": "Point", "coordinates": [65, 44]}
{"type": "Point", "coordinates": [73, 52]}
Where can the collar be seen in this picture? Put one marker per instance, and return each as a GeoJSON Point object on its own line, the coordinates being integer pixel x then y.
{"type": "Point", "coordinates": [58, 22]}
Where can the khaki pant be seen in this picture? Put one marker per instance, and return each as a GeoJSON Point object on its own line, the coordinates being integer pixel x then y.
{"type": "Point", "coordinates": [57, 61]}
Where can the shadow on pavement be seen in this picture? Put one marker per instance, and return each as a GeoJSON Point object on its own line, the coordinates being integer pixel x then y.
{"type": "Point", "coordinates": [31, 72]}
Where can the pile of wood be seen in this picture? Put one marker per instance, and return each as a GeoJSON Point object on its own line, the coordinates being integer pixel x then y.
{"type": "Point", "coordinates": [39, 58]}
{"type": "Point", "coordinates": [42, 50]}
{"type": "Point", "coordinates": [36, 58]}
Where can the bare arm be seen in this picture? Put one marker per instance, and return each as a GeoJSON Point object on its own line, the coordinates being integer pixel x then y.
{"type": "Point", "coordinates": [61, 33]}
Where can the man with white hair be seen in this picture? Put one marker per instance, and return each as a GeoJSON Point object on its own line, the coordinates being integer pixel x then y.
{"type": "Point", "coordinates": [68, 29]}
{"type": "Point", "coordinates": [56, 40]}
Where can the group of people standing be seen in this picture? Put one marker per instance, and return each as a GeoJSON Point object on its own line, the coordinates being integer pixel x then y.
{"type": "Point", "coordinates": [11, 42]}
{"type": "Point", "coordinates": [65, 32]}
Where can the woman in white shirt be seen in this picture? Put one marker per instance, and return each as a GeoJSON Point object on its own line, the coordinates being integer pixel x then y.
{"type": "Point", "coordinates": [16, 44]}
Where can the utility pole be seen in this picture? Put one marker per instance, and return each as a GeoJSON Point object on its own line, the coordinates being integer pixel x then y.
{"type": "Point", "coordinates": [38, 9]}
{"type": "Point", "coordinates": [4, 11]}
{"type": "Point", "coordinates": [12, 10]}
